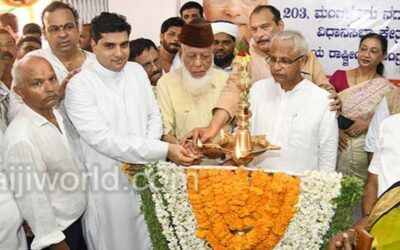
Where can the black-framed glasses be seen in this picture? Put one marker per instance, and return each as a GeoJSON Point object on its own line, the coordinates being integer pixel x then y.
{"type": "Point", "coordinates": [282, 61]}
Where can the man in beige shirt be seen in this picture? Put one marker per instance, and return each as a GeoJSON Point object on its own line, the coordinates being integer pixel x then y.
{"type": "Point", "coordinates": [265, 22]}
{"type": "Point", "coordinates": [188, 94]}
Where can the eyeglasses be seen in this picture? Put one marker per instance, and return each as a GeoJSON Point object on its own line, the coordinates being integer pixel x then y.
{"type": "Point", "coordinates": [54, 29]}
{"type": "Point", "coordinates": [149, 65]}
{"type": "Point", "coordinates": [285, 62]}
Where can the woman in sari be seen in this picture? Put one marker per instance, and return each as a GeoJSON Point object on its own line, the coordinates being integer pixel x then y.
{"type": "Point", "coordinates": [360, 90]}
{"type": "Point", "coordinates": [382, 226]}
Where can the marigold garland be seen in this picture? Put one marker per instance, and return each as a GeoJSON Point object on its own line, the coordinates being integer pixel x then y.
{"type": "Point", "coordinates": [241, 209]}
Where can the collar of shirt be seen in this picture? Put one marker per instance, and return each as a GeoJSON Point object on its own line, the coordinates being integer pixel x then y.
{"type": "Point", "coordinates": [103, 71]}
{"type": "Point", "coordinates": [227, 69]}
{"type": "Point", "coordinates": [296, 88]}
{"type": "Point", "coordinates": [3, 89]}
{"type": "Point", "coordinates": [254, 49]}
{"type": "Point", "coordinates": [36, 118]}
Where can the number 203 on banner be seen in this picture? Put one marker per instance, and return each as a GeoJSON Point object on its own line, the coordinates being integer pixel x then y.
{"type": "Point", "coordinates": [295, 13]}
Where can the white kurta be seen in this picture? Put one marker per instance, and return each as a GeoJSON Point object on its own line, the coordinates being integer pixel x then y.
{"type": "Point", "coordinates": [176, 63]}
{"type": "Point", "coordinates": [381, 113]}
{"type": "Point", "coordinates": [386, 160]}
{"type": "Point", "coordinates": [299, 121]}
{"type": "Point", "coordinates": [4, 106]}
{"type": "Point", "coordinates": [118, 118]}
{"type": "Point", "coordinates": [59, 68]}
{"type": "Point", "coordinates": [12, 234]}
{"type": "Point", "coordinates": [35, 149]}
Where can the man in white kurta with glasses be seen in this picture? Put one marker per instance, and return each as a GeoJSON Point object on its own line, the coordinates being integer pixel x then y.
{"type": "Point", "coordinates": [113, 107]}
{"type": "Point", "coordinates": [293, 112]}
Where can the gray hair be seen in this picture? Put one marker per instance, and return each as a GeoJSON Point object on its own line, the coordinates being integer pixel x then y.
{"type": "Point", "coordinates": [17, 70]}
{"type": "Point", "coordinates": [299, 42]}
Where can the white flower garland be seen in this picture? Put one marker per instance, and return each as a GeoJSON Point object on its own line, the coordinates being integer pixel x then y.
{"type": "Point", "coordinates": [162, 212]}
{"type": "Point", "coordinates": [315, 211]}
{"type": "Point", "coordinates": [306, 230]}
{"type": "Point", "coordinates": [174, 190]}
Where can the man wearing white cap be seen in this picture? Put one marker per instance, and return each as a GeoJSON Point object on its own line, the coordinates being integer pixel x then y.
{"type": "Point", "coordinates": [225, 34]}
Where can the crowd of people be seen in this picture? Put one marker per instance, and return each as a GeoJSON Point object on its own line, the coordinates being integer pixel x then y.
{"type": "Point", "coordinates": [73, 111]}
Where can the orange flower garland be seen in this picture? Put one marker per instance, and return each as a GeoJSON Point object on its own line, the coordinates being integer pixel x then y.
{"type": "Point", "coordinates": [242, 209]}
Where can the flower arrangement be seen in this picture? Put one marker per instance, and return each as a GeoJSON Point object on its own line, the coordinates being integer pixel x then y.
{"type": "Point", "coordinates": [238, 208]}
{"type": "Point", "coordinates": [241, 52]}
{"type": "Point", "coordinates": [242, 209]}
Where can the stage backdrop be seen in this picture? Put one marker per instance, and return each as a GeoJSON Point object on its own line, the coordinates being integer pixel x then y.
{"type": "Point", "coordinates": [333, 28]}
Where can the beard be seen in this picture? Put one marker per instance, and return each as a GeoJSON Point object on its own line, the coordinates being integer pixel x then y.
{"type": "Point", "coordinates": [169, 48]}
{"type": "Point", "coordinates": [196, 87]}
{"type": "Point", "coordinates": [223, 61]}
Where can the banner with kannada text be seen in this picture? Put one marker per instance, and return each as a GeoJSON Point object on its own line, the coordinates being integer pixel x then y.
{"type": "Point", "coordinates": [333, 29]}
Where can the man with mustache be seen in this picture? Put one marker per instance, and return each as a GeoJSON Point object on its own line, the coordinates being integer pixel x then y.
{"type": "Point", "coordinates": [114, 109]}
{"type": "Point", "coordinates": [144, 52]}
{"type": "Point", "coordinates": [170, 45]}
{"type": "Point", "coordinates": [265, 22]}
{"type": "Point", "coordinates": [225, 34]}
{"type": "Point", "coordinates": [187, 95]}
{"type": "Point", "coordinates": [9, 53]}
{"type": "Point", "coordinates": [40, 143]}
{"type": "Point", "coordinates": [60, 28]}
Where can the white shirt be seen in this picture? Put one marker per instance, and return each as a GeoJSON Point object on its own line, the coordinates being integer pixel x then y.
{"type": "Point", "coordinates": [119, 120]}
{"type": "Point", "coordinates": [12, 234]}
{"type": "Point", "coordinates": [34, 148]}
{"type": "Point", "coordinates": [176, 63]}
{"type": "Point", "coordinates": [381, 113]}
{"type": "Point", "coordinates": [386, 160]}
{"type": "Point", "coordinates": [299, 121]}
{"type": "Point", "coordinates": [4, 106]}
{"type": "Point", "coordinates": [59, 68]}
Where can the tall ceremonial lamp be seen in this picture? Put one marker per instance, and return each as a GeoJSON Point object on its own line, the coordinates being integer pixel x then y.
{"type": "Point", "coordinates": [241, 146]}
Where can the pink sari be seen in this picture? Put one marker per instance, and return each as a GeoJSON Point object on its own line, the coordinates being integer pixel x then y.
{"type": "Point", "coordinates": [358, 102]}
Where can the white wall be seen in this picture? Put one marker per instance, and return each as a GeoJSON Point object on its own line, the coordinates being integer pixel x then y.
{"type": "Point", "coordinates": [146, 16]}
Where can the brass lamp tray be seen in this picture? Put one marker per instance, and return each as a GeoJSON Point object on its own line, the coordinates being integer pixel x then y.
{"type": "Point", "coordinates": [227, 145]}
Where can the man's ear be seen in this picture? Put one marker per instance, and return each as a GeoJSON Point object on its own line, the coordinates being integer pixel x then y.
{"type": "Point", "coordinates": [281, 25]}
{"type": "Point", "coordinates": [94, 44]}
{"type": "Point", "coordinates": [304, 60]}
{"type": "Point", "coordinates": [44, 32]}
